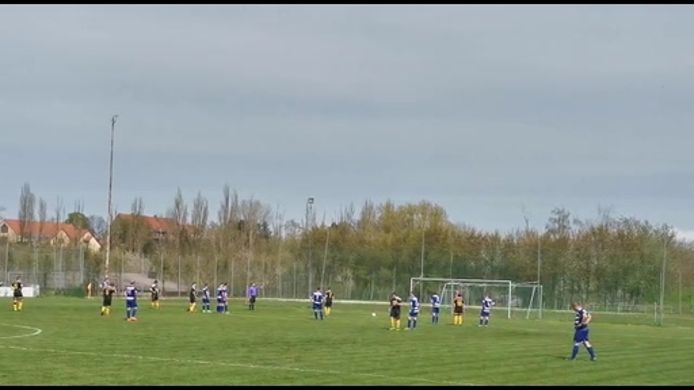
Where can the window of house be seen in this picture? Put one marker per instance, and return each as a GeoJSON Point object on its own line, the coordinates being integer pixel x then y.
{"type": "Point", "coordinates": [4, 229]}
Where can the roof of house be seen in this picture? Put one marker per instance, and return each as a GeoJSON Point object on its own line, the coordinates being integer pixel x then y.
{"type": "Point", "coordinates": [154, 223]}
{"type": "Point", "coordinates": [48, 229]}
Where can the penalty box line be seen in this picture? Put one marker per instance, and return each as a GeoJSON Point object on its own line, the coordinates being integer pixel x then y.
{"type": "Point", "coordinates": [238, 365]}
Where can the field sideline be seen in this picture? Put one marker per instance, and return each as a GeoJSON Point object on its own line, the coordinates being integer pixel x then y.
{"type": "Point", "coordinates": [59, 340]}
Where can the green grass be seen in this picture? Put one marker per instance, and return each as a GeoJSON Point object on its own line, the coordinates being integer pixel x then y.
{"type": "Point", "coordinates": [281, 343]}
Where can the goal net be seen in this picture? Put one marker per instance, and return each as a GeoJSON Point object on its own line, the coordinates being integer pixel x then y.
{"type": "Point", "coordinates": [519, 300]}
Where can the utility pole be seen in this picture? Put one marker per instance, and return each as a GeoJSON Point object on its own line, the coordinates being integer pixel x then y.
{"type": "Point", "coordinates": [662, 282]}
{"type": "Point", "coordinates": [309, 206]}
{"type": "Point", "coordinates": [110, 186]}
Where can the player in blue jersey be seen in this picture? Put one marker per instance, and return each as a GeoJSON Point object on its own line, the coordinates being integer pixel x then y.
{"type": "Point", "coordinates": [225, 294]}
{"type": "Point", "coordinates": [414, 312]}
{"type": "Point", "coordinates": [317, 303]}
{"type": "Point", "coordinates": [395, 302]}
{"type": "Point", "coordinates": [206, 299]}
{"type": "Point", "coordinates": [581, 322]}
{"type": "Point", "coordinates": [486, 311]}
{"type": "Point", "coordinates": [251, 295]}
{"type": "Point", "coordinates": [220, 298]}
{"type": "Point", "coordinates": [435, 308]}
{"type": "Point", "coordinates": [131, 302]}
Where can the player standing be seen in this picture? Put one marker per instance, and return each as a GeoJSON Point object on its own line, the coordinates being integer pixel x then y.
{"type": "Point", "coordinates": [329, 296]}
{"type": "Point", "coordinates": [154, 290]}
{"type": "Point", "coordinates": [206, 299]}
{"type": "Point", "coordinates": [414, 312]}
{"type": "Point", "coordinates": [486, 311]}
{"type": "Point", "coordinates": [18, 297]}
{"type": "Point", "coordinates": [317, 303]}
{"type": "Point", "coordinates": [581, 322]}
{"type": "Point", "coordinates": [251, 295]}
{"type": "Point", "coordinates": [107, 292]}
{"type": "Point", "coordinates": [458, 308]}
{"type": "Point", "coordinates": [395, 301]}
{"type": "Point", "coordinates": [131, 302]}
{"type": "Point", "coordinates": [435, 308]}
{"type": "Point", "coordinates": [191, 298]}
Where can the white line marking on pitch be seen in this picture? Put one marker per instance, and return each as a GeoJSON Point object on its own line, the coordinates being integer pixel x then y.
{"type": "Point", "coordinates": [36, 332]}
{"type": "Point", "coordinates": [240, 365]}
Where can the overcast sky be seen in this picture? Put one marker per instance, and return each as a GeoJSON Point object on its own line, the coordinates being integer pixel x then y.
{"type": "Point", "coordinates": [493, 112]}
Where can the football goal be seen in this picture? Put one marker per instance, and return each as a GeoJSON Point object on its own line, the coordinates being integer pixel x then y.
{"type": "Point", "coordinates": [523, 299]}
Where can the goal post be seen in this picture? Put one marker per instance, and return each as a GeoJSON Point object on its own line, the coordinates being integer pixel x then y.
{"type": "Point", "coordinates": [509, 295]}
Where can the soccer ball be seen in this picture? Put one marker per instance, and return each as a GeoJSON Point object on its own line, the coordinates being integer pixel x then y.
{"type": "Point", "coordinates": [373, 314]}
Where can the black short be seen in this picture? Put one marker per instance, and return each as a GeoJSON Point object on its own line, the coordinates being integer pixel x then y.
{"type": "Point", "coordinates": [107, 301]}
{"type": "Point", "coordinates": [251, 299]}
{"type": "Point", "coordinates": [395, 313]}
{"type": "Point", "coordinates": [155, 297]}
{"type": "Point", "coordinates": [458, 310]}
{"type": "Point", "coordinates": [329, 304]}
{"type": "Point", "coordinates": [18, 294]}
{"type": "Point", "coordinates": [192, 300]}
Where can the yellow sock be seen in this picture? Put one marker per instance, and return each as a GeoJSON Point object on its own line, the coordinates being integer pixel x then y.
{"type": "Point", "coordinates": [103, 310]}
{"type": "Point", "coordinates": [397, 324]}
{"type": "Point", "coordinates": [20, 305]}
{"type": "Point", "coordinates": [157, 304]}
{"type": "Point", "coordinates": [108, 310]}
{"type": "Point", "coordinates": [14, 306]}
{"type": "Point", "coordinates": [461, 320]}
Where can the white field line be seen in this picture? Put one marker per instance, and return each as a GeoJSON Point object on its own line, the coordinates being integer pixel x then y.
{"type": "Point", "coordinates": [36, 332]}
{"type": "Point", "coordinates": [238, 365]}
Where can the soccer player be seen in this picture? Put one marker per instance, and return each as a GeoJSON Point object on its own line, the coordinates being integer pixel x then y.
{"type": "Point", "coordinates": [251, 294]}
{"type": "Point", "coordinates": [414, 312]}
{"type": "Point", "coordinates": [220, 298]}
{"type": "Point", "coordinates": [18, 297]}
{"type": "Point", "coordinates": [225, 294]}
{"type": "Point", "coordinates": [458, 308]}
{"type": "Point", "coordinates": [206, 299]}
{"type": "Point", "coordinates": [155, 294]}
{"type": "Point", "coordinates": [329, 296]}
{"type": "Point", "coordinates": [581, 322]}
{"type": "Point", "coordinates": [487, 304]}
{"type": "Point", "coordinates": [131, 302]}
{"type": "Point", "coordinates": [191, 298]}
{"type": "Point", "coordinates": [317, 301]}
{"type": "Point", "coordinates": [107, 292]}
{"type": "Point", "coordinates": [435, 308]}
{"type": "Point", "coordinates": [395, 301]}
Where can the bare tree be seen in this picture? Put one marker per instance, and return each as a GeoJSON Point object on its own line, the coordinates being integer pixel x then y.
{"type": "Point", "coordinates": [198, 218]}
{"type": "Point", "coordinates": [43, 215]}
{"type": "Point", "coordinates": [27, 201]}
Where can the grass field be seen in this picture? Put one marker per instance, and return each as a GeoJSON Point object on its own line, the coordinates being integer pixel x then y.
{"type": "Point", "coordinates": [281, 343]}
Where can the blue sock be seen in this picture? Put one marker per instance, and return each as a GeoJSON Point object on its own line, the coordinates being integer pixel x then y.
{"type": "Point", "coordinates": [127, 312]}
{"type": "Point", "coordinates": [574, 352]}
{"type": "Point", "coordinates": [591, 352]}
{"type": "Point", "coordinates": [486, 321]}
{"type": "Point", "coordinates": [433, 319]}
{"type": "Point", "coordinates": [409, 323]}
{"type": "Point", "coordinates": [321, 314]}
{"type": "Point", "coordinates": [414, 323]}
{"type": "Point", "coordinates": [481, 321]}
{"type": "Point", "coordinates": [134, 312]}
{"type": "Point", "coordinates": [315, 314]}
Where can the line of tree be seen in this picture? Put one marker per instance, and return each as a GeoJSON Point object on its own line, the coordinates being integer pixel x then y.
{"type": "Point", "coordinates": [365, 254]}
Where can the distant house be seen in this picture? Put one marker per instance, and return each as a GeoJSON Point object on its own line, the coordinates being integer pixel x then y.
{"type": "Point", "coordinates": [54, 233]}
{"type": "Point", "coordinates": [159, 228]}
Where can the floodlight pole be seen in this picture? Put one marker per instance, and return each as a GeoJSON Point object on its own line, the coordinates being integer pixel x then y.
{"type": "Point", "coordinates": [309, 206]}
{"type": "Point", "coordinates": [662, 282]}
{"type": "Point", "coordinates": [110, 186]}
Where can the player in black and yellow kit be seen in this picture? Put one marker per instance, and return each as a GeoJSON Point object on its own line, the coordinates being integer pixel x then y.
{"type": "Point", "coordinates": [17, 293]}
{"type": "Point", "coordinates": [155, 294]}
{"type": "Point", "coordinates": [329, 296]}
{"type": "Point", "coordinates": [191, 298]}
{"type": "Point", "coordinates": [395, 302]}
{"type": "Point", "coordinates": [458, 304]}
{"type": "Point", "coordinates": [107, 292]}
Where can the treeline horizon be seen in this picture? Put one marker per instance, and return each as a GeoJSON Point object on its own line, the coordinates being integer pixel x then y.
{"type": "Point", "coordinates": [368, 252]}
